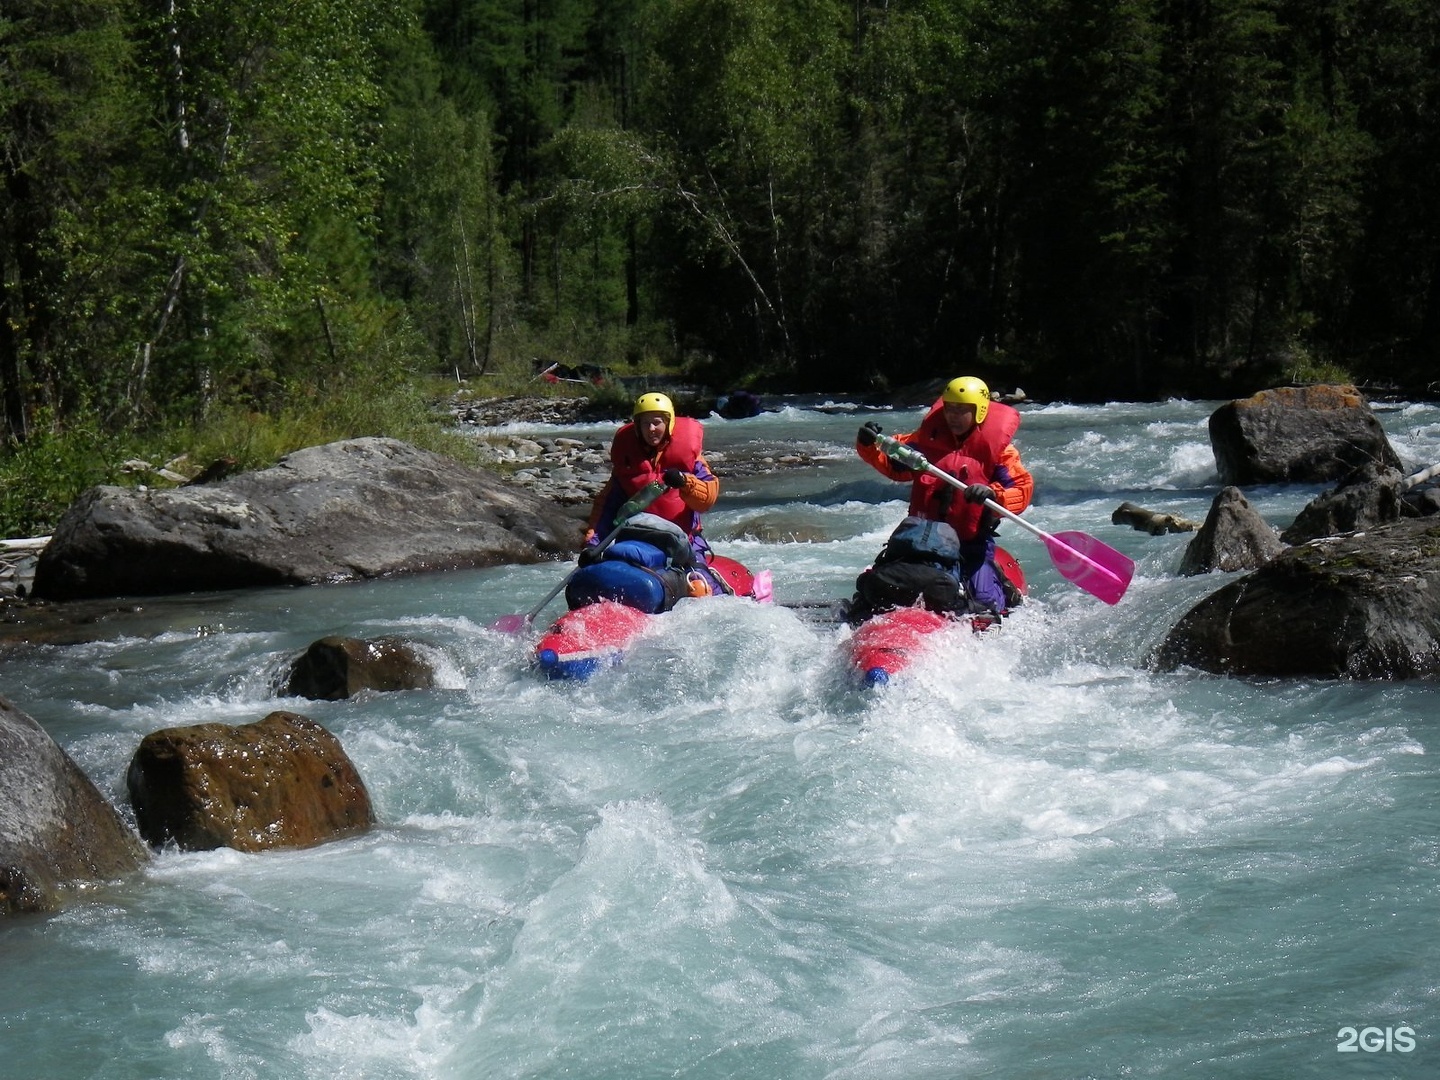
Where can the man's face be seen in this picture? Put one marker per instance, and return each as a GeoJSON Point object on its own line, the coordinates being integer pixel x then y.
{"type": "Point", "coordinates": [652, 427]}
{"type": "Point", "coordinates": [959, 418]}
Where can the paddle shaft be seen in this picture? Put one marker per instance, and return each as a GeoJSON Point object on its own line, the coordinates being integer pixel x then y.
{"type": "Point", "coordinates": [535, 611]}
{"type": "Point", "coordinates": [913, 459]}
{"type": "Point", "coordinates": [637, 504]}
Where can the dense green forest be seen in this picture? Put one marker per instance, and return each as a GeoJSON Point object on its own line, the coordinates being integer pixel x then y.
{"type": "Point", "coordinates": [210, 204]}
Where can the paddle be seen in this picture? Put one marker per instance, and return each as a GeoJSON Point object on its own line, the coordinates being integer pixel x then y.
{"type": "Point", "coordinates": [638, 503]}
{"type": "Point", "coordinates": [1090, 563]}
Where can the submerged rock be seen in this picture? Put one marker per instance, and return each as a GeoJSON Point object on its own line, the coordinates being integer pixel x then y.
{"type": "Point", "coordinates": [57, 832]}
{"type": "Point", "coordinates": [340, 667]}
{"type": "Point", "coordinates": [284, 782]}
{"type": "Point", "coordinates": [363, 508]}
{"type": "Point", "coordinates": [1362, 606]}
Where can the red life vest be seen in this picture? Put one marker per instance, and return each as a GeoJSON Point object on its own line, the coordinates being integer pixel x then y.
{"type": "Point", "coordinates": [633, 464]}
{"type": "Point", "coordinates": [971, 460]}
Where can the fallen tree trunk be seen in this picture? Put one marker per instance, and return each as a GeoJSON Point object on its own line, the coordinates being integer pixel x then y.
{"type": "Point", "coordinates": [1419, 477]}
{"type": "Point", "coordinates": [1151, 521]}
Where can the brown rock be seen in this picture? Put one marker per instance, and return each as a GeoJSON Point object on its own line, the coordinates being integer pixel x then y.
{"type": "Point", "coordinates": [284, 782]}
{"type": "Point", "coordinates": [1154, 522]}
{"type": "Point", "coordinates": [340, 667]}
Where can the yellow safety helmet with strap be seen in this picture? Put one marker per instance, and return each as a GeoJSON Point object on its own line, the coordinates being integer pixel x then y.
{"type": "Point", "coordinates": [968, 390]}
{"type": "Point", "coordinates": [653, 402]}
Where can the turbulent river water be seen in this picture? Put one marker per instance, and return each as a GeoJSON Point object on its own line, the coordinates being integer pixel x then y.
{"type": "Point", "coordinates": [1032, 857]}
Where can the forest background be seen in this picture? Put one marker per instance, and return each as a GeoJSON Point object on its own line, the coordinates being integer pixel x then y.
{"type": "Point", "coordinates": [237, 228]}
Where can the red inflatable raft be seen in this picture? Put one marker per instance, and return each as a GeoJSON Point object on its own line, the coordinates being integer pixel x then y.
{"type": "Point", "coordinates": [886, 644]}
{"type": "Point", "coordinates": [596, 635]}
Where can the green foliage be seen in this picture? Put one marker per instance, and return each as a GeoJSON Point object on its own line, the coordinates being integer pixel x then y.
{"type": "Point", "coordinates": [345, 410]}
{"type": "Point", "coordinates": [40, 479]}
{"type": "Point", "coordinates": [444, 251]}
{"type": "Point", "coordinates": [212, 210]}
{"type": "Point", "coordinates": [68, 114]}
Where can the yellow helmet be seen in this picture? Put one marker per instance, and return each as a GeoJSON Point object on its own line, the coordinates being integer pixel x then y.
{"type": "Point", "coordinates": [968, 390]}
{"type": "Point", "coordinates": [656, 403]}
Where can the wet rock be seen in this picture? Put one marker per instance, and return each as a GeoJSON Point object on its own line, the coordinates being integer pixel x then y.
{"type": "Point", "coordinates": [738, 405]}
{"type": "Point", "coordinates": [1366, 498]}
{"type": "Point", "coordinates": [284, 782]}
{"type": "Point", "coordinates": [1296, 434]}
{"type": "Point", "coordinates": [1233, 537]}
{"type": "Point", "coordinates": [1422, 501]}
{"type": "Point", "coordinates": [363, 508]}
{"type": "Point", "coordinates": [1362, 606]}
{"type": "Point", "coordinates": [57, 832]}
{"type": "Point", "coordinates": [340, 667]}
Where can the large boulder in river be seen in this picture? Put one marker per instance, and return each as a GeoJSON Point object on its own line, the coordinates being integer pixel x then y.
{"type": "Point", "coordinates": [363, 508]}
{"type": "Point", "coordinates": [57, 831]}
{"type": "Point", "coordinates": [340, 667]}
{"type": "Point", "coordinates": [284, 782]}
{"type": "Point", "coordinates": [1297, 434]}
{"type": "Point", "coordinates": [1234, 537]}
{"type": "Point", "coordinates": [1362, 606]}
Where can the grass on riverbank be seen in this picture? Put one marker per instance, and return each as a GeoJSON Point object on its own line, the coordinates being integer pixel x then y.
{"type": "Point", "coordinates": [41, 478]}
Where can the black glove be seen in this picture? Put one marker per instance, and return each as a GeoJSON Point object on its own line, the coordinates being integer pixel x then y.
{"type": "Point", "coordinates": [590, 554]}
{"type": "Point", "coordinates": [978, 493]}
{"type": "Point", "coordinates": [866, 435]}
{"type": "Point", "coordinates": [673, 478]}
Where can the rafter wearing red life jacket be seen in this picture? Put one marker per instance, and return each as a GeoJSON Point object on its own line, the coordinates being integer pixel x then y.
{"type": "Point", "coordinates": [633, 464]}
{"type": "Point", "coordinates": [984, 456]}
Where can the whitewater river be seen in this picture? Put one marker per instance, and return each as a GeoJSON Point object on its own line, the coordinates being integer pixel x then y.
{"type": "Point", "coordinates": [1031, 858]}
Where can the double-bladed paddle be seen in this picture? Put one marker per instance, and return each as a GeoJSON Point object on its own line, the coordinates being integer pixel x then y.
{"type": "Point", "coordinates": [637, 504]}
{"type": "Point", "coordinates": [1090, 563]}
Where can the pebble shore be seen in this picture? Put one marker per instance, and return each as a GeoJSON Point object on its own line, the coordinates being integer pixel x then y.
{"type": "Point", "coordinates": [569, 471]}
{"type": "Point", "coordinates": [565, 471]}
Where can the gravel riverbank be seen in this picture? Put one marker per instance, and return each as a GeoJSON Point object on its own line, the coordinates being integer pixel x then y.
{"type": "Point", "coordinates": [570, 471]}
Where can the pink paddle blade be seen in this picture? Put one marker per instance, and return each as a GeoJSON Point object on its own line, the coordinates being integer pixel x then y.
{"type": "Point", "coordinates": [511, 624]}
{"type": "Point", "coordinates": [1092, 564]}
{"type": "Point", "coordinates": [764, 588]}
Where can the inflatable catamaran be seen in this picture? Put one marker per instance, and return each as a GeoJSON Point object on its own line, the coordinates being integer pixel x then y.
{"type": "Point", "coordinates": [648, 569]}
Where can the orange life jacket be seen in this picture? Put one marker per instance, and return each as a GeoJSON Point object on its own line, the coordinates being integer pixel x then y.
{"type": "Point", "coordinates": [634, 464]}
{"type": "Point", "coordinates": [972, 460]}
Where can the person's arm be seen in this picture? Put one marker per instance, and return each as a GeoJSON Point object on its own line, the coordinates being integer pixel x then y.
{"type": "Point", "coordinates": [876, 458]}
{"type": "Point", "coordinates": [699, 488]}
{"type": "Point", "coordinates": [1014, 486]}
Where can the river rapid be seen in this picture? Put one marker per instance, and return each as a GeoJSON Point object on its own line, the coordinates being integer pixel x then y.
{"type": "Point", "coordinates": [1032, 857]}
